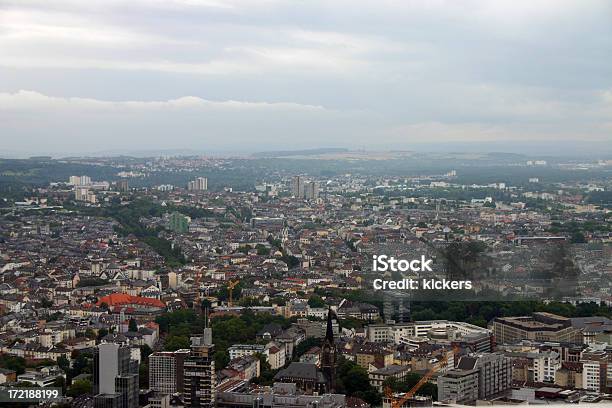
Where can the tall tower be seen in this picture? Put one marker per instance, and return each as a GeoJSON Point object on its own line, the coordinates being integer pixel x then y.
{"type": "Point", "coordinates": [199, 375]}
{"type": "Point", "coordinates": [396, 306]}
{"type": "Point", "coordinates": [297, 187]}
{"type": "Point", "coordinates": [328, 354]}
{"type": "Point", "coordinates": [115, 377]}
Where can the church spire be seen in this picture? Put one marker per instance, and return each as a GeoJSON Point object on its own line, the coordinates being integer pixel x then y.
{"type": "Point", "coordinates": [329, 333]}
{"type": "Point", "coordinates": [328, 354]}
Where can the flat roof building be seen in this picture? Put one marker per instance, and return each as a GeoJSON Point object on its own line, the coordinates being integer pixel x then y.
{"type": "Point", "coordinates": [541, 326]}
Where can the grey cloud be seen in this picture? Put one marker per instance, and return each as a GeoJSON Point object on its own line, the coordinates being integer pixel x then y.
{"type": "Point", "coordinates": [387, 72]}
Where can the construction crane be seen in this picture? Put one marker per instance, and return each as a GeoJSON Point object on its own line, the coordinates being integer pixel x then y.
{"type": "Point", "coordinates": [230, 287]}
{"type": "Point", "coordinates": [399, 402]}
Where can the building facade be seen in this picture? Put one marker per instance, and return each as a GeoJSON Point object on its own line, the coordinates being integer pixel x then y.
{"type": "Point", "coordinates": [166, 371]}
{"type": "Point", "coordinates": [199, 372]}
{"type": "Point", "coordinates": [115, 377]}
{"type": "Point", "coordinates": [199, 184]}
{"type": "Point", "coordinates": [540, 326]}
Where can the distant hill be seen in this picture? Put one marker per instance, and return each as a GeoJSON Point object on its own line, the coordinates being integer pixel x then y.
{"type": "Point", "coordinates": [305, 152]}
{"type": "Point", "coordinates": [506, 156]}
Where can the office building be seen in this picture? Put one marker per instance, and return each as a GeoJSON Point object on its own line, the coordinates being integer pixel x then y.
{"type": "Point", "coordinates": [541, 326]}
{"type": "Point", "coordinates": [199, 184]}
{"type": "Point", "coordinates": [302, 189]}
{"type": "Point", "coordinates": [480, 376]}
{"type": "Point", "coordinates": [199, 372]}
{"type": "Point", "coordinates": [396, 307]}
{"type": "Point", "coordinates": [597, 369]}
{"type": "Point", "coordinates": [297, 187]}
{"type": "Point", "coordinates": [79, 180]}
{"type": "Point", "coordinates": [115, 377]}
{"type": "Point", "coordinates": [545, 366]}
{"type": "Point", "coordinates": [494, 373]}
{"type": "Point", "coordinates": [460, 333]}
{"type": "Point", "coordinates": [81, 193]}
{"type": "Point", "coordinates": [459, 386]}
{"type": "Point", "coordinates": [311, 190]}
{"type": "Point", "coordinates": [166, 370]}
{"type": "Point", "coordinates": [84, 194]}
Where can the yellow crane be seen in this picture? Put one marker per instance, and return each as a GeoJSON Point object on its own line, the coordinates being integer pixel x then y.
{"type": "Point", "coordinates": [230, 287]}
{"type": "Point", "coordinates": [399, 402]}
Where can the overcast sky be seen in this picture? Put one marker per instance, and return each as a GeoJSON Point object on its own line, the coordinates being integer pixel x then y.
{"type": "Point", "coordinates": [89, 76]}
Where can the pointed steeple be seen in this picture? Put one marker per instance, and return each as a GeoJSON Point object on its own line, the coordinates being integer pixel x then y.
{"type": "Point", "coordinates": [328, 353]}
{"type": "Point", "coordinates": [329, 333]}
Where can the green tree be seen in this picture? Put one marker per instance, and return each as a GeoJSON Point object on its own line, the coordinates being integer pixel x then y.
{"type": "Point", "coordinates": [262, 250]}
{"type": "Point", "coordinates": [221, 359]}
{"type": "Point", "coordinates": [80, 387]}
{"type": "Point", "coordinates": [145, 351]}
{"type": "Point", "coordinates": [290, 260]}
{"type": "Point", "coordinates": [306, 345]}
{"type": "Point", "coordinates": [578, 238]}
{"type": "Point", "coordinates": [14, 363]}
{"type": "Point", "coordinates": [143, 376]}
{"type": "Point", "coordinates": [353, 380]}
{"type": "Point", "coordinates": [316, 301]}
{"type": "Point", "coordinates": [82, 363]}
{"type": "Point", "coordinates": [60, 382]}
{"type": "Point", "coordinates": [174, 343]}
{"type": "Point", "coordinates": [266, 374]}
{"type": "Point", "coordinates": [132, 326]}
{"type": "Point", "coordinates": [101, 333]}
{"type": "Point", "coordinates": [63, 363]}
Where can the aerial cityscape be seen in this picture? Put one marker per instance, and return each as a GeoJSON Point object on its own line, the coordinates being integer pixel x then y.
{"type": "Point", "coordinates": [196, 281]}
{"type": "Point", "coordinates": [305, 204]}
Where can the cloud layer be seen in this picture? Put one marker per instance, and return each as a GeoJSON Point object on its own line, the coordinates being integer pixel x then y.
{"type": "Point", "coordinates": [203, 74]}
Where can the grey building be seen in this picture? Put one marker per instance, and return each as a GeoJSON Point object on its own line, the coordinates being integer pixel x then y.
{"type": "Point", "coordinates": [495, 373]}
{"type": "Point", "coordinates": [115, 377]}
{"type": "Point", "coordinates": [199, 372]}
{"type": "Point", "coordinates": [280, 395]}
{"type": "Point", "coordinates": [480, 376]}
{"type": "Point", "coordinates": [311, 190]}
{"type": "Point", "coordinates": [460, 386]}
{"type": "Point", "coordinates": [166, 370]}
{"type": "Point", "coordinates": [297, 187]}
{"type": "Point", "coordinates": [301, 188]}
{"type": "Point", "coordinates": [199, 184]}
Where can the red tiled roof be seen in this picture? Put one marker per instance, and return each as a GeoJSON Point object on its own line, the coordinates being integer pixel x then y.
{"type": "Point", "coordinates": [120, 299]}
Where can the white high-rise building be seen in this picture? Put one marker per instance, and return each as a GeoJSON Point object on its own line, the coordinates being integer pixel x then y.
{"type": "Point", "coordinates": [79, 180]}
{"type": "Point", "coordinates": [81, 193]}
{"type": "Point", "coordinates": [199, 184]}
